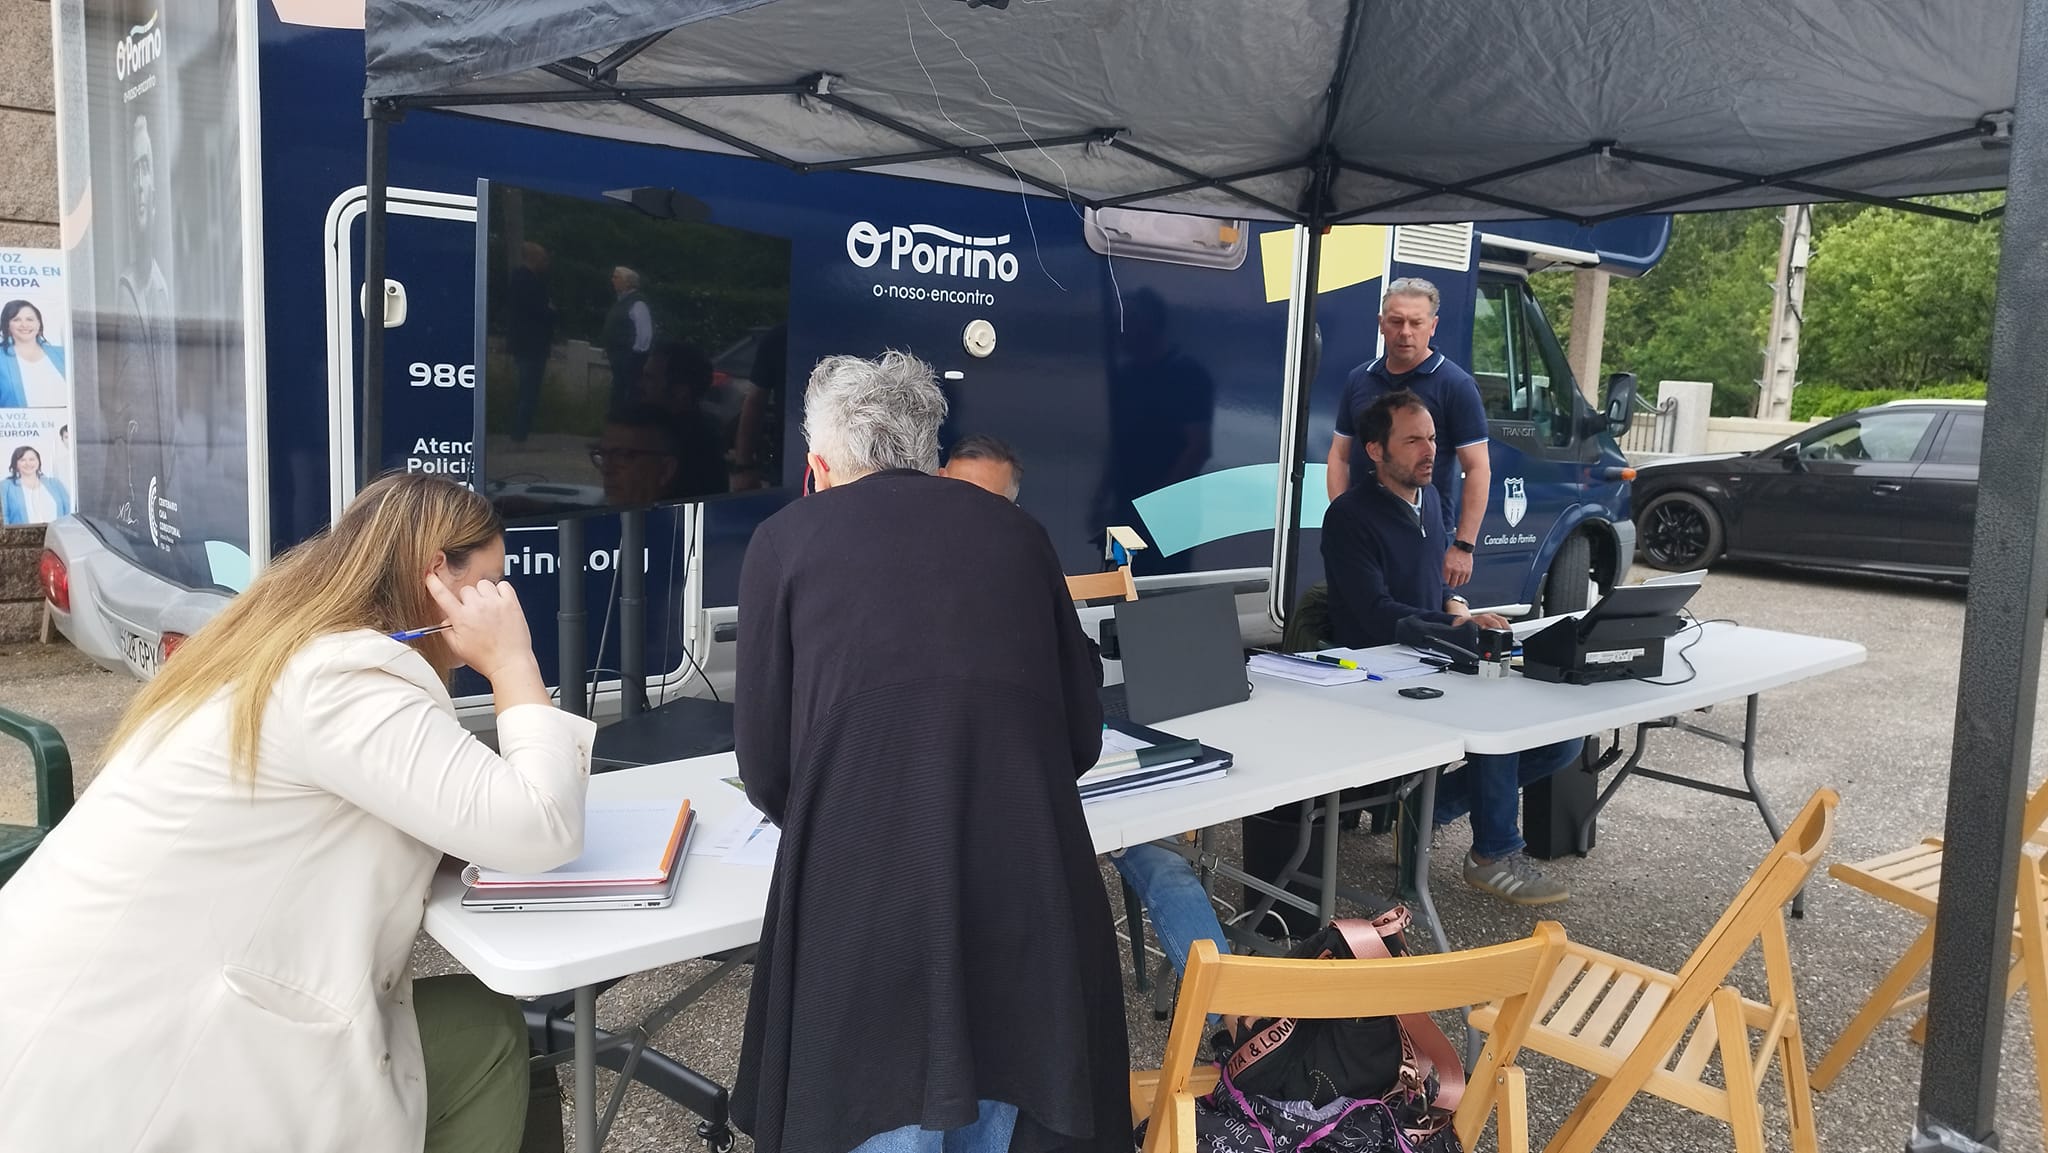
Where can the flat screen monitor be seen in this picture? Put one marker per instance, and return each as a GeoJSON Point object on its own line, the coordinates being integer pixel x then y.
{"type": "Point", "coordinates": [628, 358]}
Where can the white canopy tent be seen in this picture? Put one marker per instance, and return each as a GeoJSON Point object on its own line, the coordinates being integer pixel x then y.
{"type": "Point", "coordinates": [1318, 112]}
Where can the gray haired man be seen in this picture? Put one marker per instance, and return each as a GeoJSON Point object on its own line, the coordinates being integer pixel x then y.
{"type": "Point", "coordinates": [1464, 476]}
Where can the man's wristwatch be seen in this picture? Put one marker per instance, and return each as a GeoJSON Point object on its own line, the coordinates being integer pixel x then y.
{"type": "Point", "coordinates": [1462, 545]}
{"type": "Point", "coordinates": [1458, 599]}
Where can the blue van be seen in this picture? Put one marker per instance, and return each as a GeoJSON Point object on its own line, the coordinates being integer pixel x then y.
{"type": "Point", "coordinates": [1140, 364]}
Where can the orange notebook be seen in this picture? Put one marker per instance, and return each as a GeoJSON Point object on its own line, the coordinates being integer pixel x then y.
{"type": "Point", "coordinates": [636, 842]}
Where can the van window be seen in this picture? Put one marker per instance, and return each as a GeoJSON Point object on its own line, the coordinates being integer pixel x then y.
{"type": "Point", "coordinates": [1492, 366]}
{"type": "Point", "coordinates": [1552, 395]}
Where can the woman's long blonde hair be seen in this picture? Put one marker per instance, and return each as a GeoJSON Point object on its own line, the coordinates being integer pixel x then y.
{"type": "Point", "coordinates": [368, 571]}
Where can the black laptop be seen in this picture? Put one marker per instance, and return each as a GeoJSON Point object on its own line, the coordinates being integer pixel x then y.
{"type": "Point", "coordinates": [1181, 654]}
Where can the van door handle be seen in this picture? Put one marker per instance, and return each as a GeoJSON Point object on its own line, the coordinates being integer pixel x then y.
{"type": "Point", "coordinates": [1886, 488]}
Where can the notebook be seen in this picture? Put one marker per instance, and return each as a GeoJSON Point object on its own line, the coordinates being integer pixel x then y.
{"type": "Point", "coordinates": [632, 855]}
{"type": "Point", "coordinates": [1137, 759]}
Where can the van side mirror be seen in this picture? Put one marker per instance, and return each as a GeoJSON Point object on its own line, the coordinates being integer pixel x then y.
{"type": "Point", "coordinates": [1620, 402]}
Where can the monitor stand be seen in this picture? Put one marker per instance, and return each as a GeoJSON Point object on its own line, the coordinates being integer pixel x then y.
{"type": "Point", "coordinates": [682, 728]}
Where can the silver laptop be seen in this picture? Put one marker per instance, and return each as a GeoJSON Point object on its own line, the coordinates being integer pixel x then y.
{"type": "Point", "coordinates": [1679, 578]}
{"type": "Point", "coordinates": [536, 898]}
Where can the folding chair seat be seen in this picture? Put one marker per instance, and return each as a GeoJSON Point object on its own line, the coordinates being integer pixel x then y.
{"type": "Point", "coordinates": [1638, 1029]}
{"type": "Point", "coordinates": [1911, 879]}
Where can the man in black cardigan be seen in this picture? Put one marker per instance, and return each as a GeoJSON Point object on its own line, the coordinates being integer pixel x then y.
{"type": "Point", "coordinates": [915, 701]}
{"type": "Point", "coordinates": [1383, 555]}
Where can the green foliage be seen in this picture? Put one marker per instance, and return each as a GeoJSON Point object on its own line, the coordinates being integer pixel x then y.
{"type": "Point", "coordinates": [1897, 304]}
{"type": "Point", "coordinates": [1899, 300]}
{"type": "Point", "coordinates": [1825, 400]}
{"type": "Point", "coordinates": [1701, 314]}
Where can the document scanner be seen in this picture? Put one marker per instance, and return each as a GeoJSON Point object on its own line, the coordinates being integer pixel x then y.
{"type": "Point", "coordinates": [1621, 638]}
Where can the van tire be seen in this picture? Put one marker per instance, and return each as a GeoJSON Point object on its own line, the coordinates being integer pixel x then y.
{"type": "Point", "coordinates": [1567, 587]}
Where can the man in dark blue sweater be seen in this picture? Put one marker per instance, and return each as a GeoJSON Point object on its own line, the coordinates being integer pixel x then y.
{"type": "Point", "coordinates": [1383, 555]}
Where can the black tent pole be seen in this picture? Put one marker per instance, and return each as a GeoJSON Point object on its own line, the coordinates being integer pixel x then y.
{"type": "Point", "coordinates": [2001, 659]}
{"type": "Point", "coordinates": [1318, 206]}
{"type": "Point", "coordinates": [376, 179]}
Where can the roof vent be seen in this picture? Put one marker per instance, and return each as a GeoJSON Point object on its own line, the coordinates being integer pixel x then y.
{"type": "Point", "coordinates": [1434, 245]}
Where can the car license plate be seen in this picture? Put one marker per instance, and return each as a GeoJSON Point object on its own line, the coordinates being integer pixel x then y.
{"type": "Point", "coordinates": [143, 654]}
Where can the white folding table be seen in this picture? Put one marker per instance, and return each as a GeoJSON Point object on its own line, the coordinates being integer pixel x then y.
{"type": "Point", "coordinates": [1286, 747]}
{"type": "Point", "coordinates": [1704, 665]}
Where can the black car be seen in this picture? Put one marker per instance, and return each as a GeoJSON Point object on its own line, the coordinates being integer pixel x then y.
{"type": "Point", "coordinates": [1890, 488]}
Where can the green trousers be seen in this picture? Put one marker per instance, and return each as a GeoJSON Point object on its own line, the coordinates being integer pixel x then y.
{"type": "Point", "coordinates": [475, 1046]}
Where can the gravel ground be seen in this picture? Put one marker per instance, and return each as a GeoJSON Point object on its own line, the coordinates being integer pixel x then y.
{"type": "Point", "coordinates": [1667, 862]}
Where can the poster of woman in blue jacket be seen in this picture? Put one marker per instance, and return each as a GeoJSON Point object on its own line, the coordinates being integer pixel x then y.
{"type": "Point", "coordinates": [26, 495]}
{"type": "Point", "coordinates": [31, 368]}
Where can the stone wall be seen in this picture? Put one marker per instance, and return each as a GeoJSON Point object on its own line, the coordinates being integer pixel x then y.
{"type": "Point", "coordinates": [28, 219]}
{"type": "Point", "coordinates": [21, 598]}
{"type": "Point", "coordinates": [28, 126]}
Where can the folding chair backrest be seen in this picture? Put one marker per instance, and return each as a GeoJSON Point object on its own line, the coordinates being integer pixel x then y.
{"type": "Point", "coordinates": [1514, 974]}
{"type": "Point", "coordinates": [1116, 582]}
{"type": "Point", "coordinates": [1781, 874]}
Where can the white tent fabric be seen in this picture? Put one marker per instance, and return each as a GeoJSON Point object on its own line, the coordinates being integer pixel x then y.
{"type": "Point", "coordinates": [1653, 105]}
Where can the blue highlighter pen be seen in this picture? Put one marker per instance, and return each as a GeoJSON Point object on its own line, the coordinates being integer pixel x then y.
{"type": "Point", "coordinates": [415, 634]}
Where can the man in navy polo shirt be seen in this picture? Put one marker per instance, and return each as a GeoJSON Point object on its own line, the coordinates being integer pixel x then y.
{"type": "Point", "coordinates": [1383, 552]}
{"type": "Point", "coordinates": [1408, 322]}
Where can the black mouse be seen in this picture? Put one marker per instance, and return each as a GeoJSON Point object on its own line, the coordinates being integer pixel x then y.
{"type": "Point", "coordinates": [1421, 693]}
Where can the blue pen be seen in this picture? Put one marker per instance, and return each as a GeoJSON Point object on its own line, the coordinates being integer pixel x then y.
{"type": "Point", "coordinates": [415, 634]}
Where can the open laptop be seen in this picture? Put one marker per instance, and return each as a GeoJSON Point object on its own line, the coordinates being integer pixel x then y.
{"type": "Point", "coordinates": [535, 898]}
{"type": "Point", "coordinates": [1678, 578]}
{"type": "Point", "coordinates": [1181, 654]}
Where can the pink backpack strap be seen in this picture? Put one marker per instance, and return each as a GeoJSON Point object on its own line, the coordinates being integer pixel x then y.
{"type": "Point", "coordinates": [1367, 942]}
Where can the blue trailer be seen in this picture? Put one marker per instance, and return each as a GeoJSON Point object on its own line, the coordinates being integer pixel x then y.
{"type": "Point", "coordinates": [1140, 362]}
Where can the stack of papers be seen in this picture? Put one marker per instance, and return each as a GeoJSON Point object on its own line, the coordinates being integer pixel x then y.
{"type": "Point", "coordinates": [1390, 663]}
{"type": "Point", "coordinates": [1305, 669]}
{"type": "Point", "coordinates": [1132, 763]}
{"type": "Point", "coordinates": [747, 838]}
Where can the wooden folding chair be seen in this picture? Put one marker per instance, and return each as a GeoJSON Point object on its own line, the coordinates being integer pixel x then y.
{"type": "Point", "coordinates": [1510, 974]}
{"type": "Point", "coordinates": [1911, 879]}
{"type": "Point", "coordinates": [2033, 904]}
{"type": "Point", "coordinates": [1117, 582]}
{"type": "Point", "coordinates": [1624, 1022]}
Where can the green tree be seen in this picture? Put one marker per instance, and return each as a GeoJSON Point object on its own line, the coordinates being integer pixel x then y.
{"type": "Point", "coordinates": [1900, 300]}
{"type": "Point", "coordinates": [1701, 314]}
{"type": "Point", "coordinates": [1896, 302]}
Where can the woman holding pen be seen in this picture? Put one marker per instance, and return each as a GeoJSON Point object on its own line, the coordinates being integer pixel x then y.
{"type": "Point", "coordinates": [222, 929]}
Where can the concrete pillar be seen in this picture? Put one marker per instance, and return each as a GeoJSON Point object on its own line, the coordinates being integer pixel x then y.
{"type": "Point", "coordinates": [1689, 424]}
{"type": "Point", "coordinates": [1589, 329]}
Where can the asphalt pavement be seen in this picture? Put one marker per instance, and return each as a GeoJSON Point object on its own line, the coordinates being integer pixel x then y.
{"type": "Point", "coordinates": [1667, 862]}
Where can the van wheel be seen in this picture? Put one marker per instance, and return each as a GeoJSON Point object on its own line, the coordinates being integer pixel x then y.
{"type": "Point", "coordinates": [1680, 531]}
{"type": "Point", "coordinates": [1568, 586]}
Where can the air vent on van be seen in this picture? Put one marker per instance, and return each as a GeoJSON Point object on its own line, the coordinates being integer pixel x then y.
{"type": "Point", "coordinates": [1434, 245]}
{"type": "Point", "coordinates": [1171, 237]}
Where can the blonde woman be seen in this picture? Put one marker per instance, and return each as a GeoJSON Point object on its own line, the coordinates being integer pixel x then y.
{"type": "Point", "coordinates": [212, 951]}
